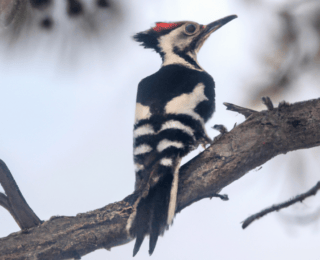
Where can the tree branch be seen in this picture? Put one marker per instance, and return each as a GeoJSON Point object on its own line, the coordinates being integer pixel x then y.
{"type": "Point", "coordinates": [14, 202]}
{"type": "Point", "coordinates": [261, 137]}
{"type": "Point", "coordinates": [286, 204]}
{"type": "Point", "coordinates": [4, 202]}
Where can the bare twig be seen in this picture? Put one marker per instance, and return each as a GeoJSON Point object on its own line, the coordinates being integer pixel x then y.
{"type": "Point", "coordinates": [222, 129]}
{"type": "Point", "coordinates": [241, 110]}
{"type": "Point", "coordinates": [14, 202]}
{"type": "Point", "coordinates": [222, 197]}
{"type": "Point", "coordinates": [280, 206]}
{"type": "Point", "coordinates": [305, 219]}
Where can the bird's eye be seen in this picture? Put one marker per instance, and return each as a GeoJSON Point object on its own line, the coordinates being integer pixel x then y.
{"type": "Point", "coordinates": [190, 28]}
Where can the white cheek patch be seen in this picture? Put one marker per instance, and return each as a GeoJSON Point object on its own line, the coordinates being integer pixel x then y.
{"type": "Point", "coordinates": [166, 45]}
{"type": "Point", "coordinates": [168, 42]}
{"type": "Point", "coordinates": [141, 149]}
{"type": "Point", "coordinates": [143, 130]}
{"type": "Point", "coordinates": [166, 162]}
{"type": "Point", "coordinates": [142, 112]}
{"type": "Point", "coordinates": [186, 103]}
{"type": "Point", "coordinates": [165, 143]}
{"type": "Point", "coordinates": [173, 124]}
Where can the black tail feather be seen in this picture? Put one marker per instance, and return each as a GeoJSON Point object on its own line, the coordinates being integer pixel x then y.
{"type": "Point", "coordinates": [141, 223]}
{"type": "Point", "coordinates": [152, 242]}
{"type": "Point", "coordinates": [152, 213]}
{"type": "Point", "coordinates": [138, 243]}
{"type": "Point", "coordinates": [161, 199]}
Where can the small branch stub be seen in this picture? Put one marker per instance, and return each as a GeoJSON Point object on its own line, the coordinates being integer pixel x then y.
{"type": "Point", "coordinates": [223, 197]}
{"type": "Point", "coordinates": [221, 128]}
{"type": "Point", "coordinates": [283, 104]}
{"type": "Point", "coordinates": [241, 110]}
{"type": "Point", "coordinates": [267, 101]}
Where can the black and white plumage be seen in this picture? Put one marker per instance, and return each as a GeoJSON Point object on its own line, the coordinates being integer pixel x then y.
{"type": "Point", "coordinates": [172, 108]}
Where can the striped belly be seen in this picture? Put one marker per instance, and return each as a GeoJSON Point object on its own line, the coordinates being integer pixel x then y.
{"type": "Point", "coordinates": [161, 140]}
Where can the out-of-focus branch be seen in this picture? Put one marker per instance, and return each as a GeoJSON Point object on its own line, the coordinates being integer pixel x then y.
{"type": "Point", "coordinates": [261, 137]}
{"type": "Point", "coordinates": [77, 23]}
{"type": "Point", "coordinates": [292, 50]}
{"type": "Point", "coordinates": [14, 202]}
{"type": "Point", "coordinates": [280, 206]}
{"type": "Point", "coordinates": [301, 220]}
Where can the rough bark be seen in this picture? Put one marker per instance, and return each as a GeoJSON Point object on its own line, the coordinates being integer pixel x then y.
{"type": "Point", "coordinates": [261, 137]}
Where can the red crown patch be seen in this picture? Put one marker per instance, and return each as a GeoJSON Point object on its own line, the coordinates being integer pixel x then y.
{"type": "Point", "coordinates": [165, 26]}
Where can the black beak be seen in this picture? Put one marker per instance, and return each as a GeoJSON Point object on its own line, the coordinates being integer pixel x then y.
{"type": "Point", "coordinates": [212, 27]}
{"type": "Point", "coordinates": [208, 29]}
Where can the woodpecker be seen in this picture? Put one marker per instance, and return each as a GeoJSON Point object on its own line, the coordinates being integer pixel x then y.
{"type": "Point", "coordinates": [172, 108]}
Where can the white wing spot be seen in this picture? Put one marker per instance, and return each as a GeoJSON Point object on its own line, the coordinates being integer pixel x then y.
{"type": "Point", "coordinates": [165, 143]}
{"type": "Point", "coordinates": [141, 149]}
{"type": "Point", "coordinates": [168, 41]}
{"type": "Point", "coordinates": [166, 162]}
{"type": "Point", "coordinates": [142, 112]}
{"type": "Point", "coordinates": [143, 130]}
{"type": "Point", "coordinates": [186, 103]}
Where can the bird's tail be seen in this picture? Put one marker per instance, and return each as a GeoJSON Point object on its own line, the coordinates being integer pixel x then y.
{"type": "Point", "coordinates": [155, 210]}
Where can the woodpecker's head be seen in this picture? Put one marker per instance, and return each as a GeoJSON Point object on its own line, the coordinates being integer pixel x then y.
{"type": "Point", "coordinates": [179, 42]}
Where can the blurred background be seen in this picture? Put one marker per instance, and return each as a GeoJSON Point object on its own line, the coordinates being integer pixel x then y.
{"type": "Point", "coordinates": [69, 72]}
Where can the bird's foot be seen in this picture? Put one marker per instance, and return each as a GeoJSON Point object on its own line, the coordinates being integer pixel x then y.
{"type": "Point", "coordinates": [206, 140]}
